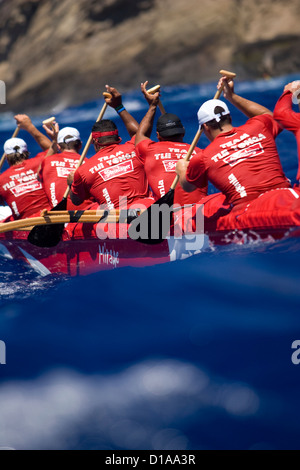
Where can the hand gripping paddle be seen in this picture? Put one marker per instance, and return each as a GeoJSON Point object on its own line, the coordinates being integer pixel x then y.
{"type": "Point", "coordinates": [153, 225]}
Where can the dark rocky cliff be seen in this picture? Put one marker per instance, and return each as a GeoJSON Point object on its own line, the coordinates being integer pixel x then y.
{"type": "Point", "coordinates": [64, 51]}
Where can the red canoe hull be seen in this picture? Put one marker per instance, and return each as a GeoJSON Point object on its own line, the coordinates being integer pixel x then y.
{"type": "Point", "coordinates": [273, 216]}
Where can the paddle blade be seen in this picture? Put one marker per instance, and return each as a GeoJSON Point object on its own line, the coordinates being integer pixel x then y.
{"type": "Point", "coordinates": [48, 236]}
{"type": "Point", "coordinates": [153, 225]}
{"type": "Point", "coordinates": [61, 206]}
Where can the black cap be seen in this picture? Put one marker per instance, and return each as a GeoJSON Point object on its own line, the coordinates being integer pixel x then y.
{"type": "Point", "coordinates": [169, 124]}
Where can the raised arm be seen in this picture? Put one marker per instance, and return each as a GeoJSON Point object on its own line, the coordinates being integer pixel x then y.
{"type": "Point", "coordinates": [284, 112]}
{"type": "Point", "coordinates": [146, 125]}
{"type": "Point", "coordinates": [24, 122]}
{"type": "Point", "coordinates": [115, 101]}
{"type": "Point", "coordinates": [52, 131]}
{"type": "Point", "coordinates": [294, 88]}
{"type": "Point", "coordinates": [247, 107]}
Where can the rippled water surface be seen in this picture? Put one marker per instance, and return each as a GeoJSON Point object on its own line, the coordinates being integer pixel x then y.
{"type": "Point", "coordinates": [194, 354]}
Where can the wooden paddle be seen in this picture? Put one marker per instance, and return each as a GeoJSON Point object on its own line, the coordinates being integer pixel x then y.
{"type": "Point", "coordinates": [63, 217]}
{"type": "Point", "coordinates": [153, 90]}
{"type": "Point", "coordinates": [141, 228]}
{"type": "Point", "coordinates": [50, 235]}
{"type": "Point", "coordinates": [62, 205]}
{"type": "Point", "coordinates": [3, 156]}
{"type": "Point", "coordinates": [49, 122]}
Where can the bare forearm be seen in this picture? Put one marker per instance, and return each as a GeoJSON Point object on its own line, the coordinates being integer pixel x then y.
{"type": "Point", "coordinates": [130, 123]}
{"type": "Point", "coordinates": [146, 125]}
{"type": "Point", "coordinates": [40, 138]}
{"type": "Point", "coordinates": [248, 107]}
{"type": "Point", "coordinates": [24, 122]}
{"type": "Point", "coordinates": [53, 149]}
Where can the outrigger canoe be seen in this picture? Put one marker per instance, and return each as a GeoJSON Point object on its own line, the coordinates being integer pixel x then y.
{"type": "Point", "coordinates": [90, 245]}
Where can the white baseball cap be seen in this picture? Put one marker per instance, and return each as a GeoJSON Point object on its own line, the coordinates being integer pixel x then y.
{"type": "Point", "coordinates": [15, 145]}
{"type": "Point", "coordinates": [210, 110]}
{"type": "Point", "coordinates": [68, 134]}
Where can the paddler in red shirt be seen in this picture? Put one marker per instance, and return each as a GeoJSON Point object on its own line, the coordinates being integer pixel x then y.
{"type": "Point", "coordinates": [114, 176]}
{"type": "Point", "coordinates": [24, 122]}
{"type": "Point", "coordinates": [285, 114]}
{"type": "Point", "coordinates": [55, 168]}
{"type": "Point", "coordinates": [160, 158]}
{"type": "Point", "coordinates": [241, 162]}
{"type": "Point", "coordinates": [19, 186]}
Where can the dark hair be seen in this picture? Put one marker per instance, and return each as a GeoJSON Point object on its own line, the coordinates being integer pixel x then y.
{"type": "Point", "coordinates": [214, 124]}
{"type": "Point", "coordinates": [73, 145]}
{"type": "Point", "coordinates": [17, 157]}
{"type": "Point", "coordinates": [106, 125]}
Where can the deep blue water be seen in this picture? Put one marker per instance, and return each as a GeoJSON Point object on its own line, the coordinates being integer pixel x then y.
{"type": "Point", "coordinates": [194, 354]}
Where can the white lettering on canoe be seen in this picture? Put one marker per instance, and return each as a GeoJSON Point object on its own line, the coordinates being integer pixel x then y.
{"type": "Point", "coordinates": [108, 257]}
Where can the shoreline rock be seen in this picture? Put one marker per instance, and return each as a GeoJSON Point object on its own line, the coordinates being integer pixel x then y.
{"type": "Point", "coordinates": [60, 52]}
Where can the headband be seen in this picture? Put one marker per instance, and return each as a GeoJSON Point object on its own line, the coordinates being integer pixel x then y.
{"type": "Point", "coordinates": [97, 135]}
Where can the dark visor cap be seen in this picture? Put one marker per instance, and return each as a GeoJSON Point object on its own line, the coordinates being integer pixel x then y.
{"type": "Point", "coordinates": [169, 124]}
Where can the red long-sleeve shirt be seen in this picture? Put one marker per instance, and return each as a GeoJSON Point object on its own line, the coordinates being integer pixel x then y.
{"type": "Point", "coordinates": [112, 174]}
{"type": "Point", "coordinates": [21, 190]}
{"type": "Point", "coordinates": [243, 162]}
{"type": "Point", "coordinates": [289, 119]}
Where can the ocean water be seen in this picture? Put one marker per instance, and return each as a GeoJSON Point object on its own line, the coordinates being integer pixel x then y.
{"type": "Point", "coordinates": [198, 354]}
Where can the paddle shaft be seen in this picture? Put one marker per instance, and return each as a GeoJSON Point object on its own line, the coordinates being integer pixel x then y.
{"type": "Point", "coordinates": [91, 137]}
{"type": "Point", "coordinates": [162, 109]}
{"type": "Point", "coordinates": [199, 132]}
{"type": "Point", "coordinates": [61, 217]}
{"type": "Point", "coordinates": [3, 156]}
{"type": "Point", "coordinates": [87, 146]}
{"type": "Point", "coordinates": [160, 105]}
